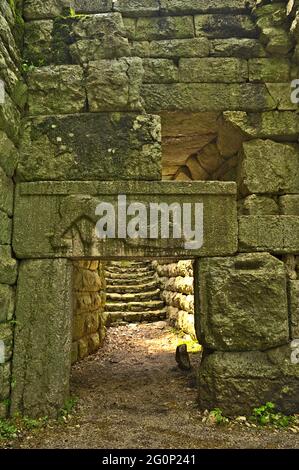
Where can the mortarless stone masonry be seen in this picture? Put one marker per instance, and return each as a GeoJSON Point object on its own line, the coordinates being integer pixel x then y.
{"type": "Point", "coordinates": [111, 89]}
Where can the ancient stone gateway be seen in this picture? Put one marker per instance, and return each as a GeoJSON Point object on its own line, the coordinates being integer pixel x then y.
{"type": "Point", "coordinates": [179, 101]}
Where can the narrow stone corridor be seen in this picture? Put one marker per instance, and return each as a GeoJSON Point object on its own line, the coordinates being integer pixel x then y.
{"type": "Point", "coordinates": [133, 293]}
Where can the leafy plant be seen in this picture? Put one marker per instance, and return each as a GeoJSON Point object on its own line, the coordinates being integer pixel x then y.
{"type": "Point", "coordinates": [7, 429]}
{"type": "Point", "coordinates": [268, 415]}
{"type": "Point", "coordinates": [216, 415]}
{"type": "Point", "coordinates": [68, 408]}
{"type": "Point", "coordinates": [72, 12]}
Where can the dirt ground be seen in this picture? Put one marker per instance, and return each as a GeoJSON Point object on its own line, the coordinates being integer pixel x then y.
{"type": "Point", "coordinates": [131, 394]}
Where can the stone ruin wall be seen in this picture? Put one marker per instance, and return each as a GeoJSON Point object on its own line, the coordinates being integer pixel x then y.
{"type": "Point", "coordinates": [10, 119]}
{"type": "Point", "coordinates": [89, 306]}
{"type": "Point", "coordinates": [219, 77]}
{"type": "Point", "coordinates": [177, 290]}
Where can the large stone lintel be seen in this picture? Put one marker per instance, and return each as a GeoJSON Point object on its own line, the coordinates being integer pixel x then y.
{"type": "Point", "coordinates": [54, 219]}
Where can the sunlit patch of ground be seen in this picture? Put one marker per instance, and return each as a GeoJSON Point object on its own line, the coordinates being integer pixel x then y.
{"type": "Point", "coordinates": [131, 394]}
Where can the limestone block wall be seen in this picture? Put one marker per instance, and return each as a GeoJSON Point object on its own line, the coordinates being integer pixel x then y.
{"type": "Point", "coordinates": [89, 306]}
{"type": "Point", "coordinates": [10, 115]}
{"type": "Point", "coordinates": [102, 78]}
{"type": "Point", "coordinates": [177, 290]}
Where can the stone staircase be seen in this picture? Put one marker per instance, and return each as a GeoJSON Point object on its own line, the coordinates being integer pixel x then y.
{"type": "Point", "coordinates": [133, 293]}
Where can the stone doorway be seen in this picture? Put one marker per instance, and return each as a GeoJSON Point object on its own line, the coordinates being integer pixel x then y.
{"type": "Point", "coordinates": [65, 318]}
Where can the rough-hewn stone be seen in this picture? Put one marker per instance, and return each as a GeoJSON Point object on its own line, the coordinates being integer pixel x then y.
{"type": "Point", "coordinates": [251, 378]}
{"type": "Point", "coordinates": [276, 125]}
{"type": "Point", "coordinates": [202, 6]}
{"type": "Point", "coordinates": [5, 229]}
{"type": "Point", "coordinates": [225, 26]}
{"type": "Point", "coordinates": [99, 37]}
{"type": "Point", "coordinates": [42, 380]}
{"type": "Point", "coordinates": [277, 234]}
{"type": "Point", "coordinates": [269, 167]}
{"type": "Point", "coordinates": [224, 70]}
{"type": "Point", "coordinates": [160, 71]}
{"type": "Point", "coordinates": [207, 97]}
{"type": "Point", "coordinates": [114, 85]}
{"type": "Point", "coordinates": [289, 204]}
{"type": "Point", "coordinates": [269, 70]}
{"type": "Point", "coordinates": [294, 308]}
{"type": "Point", "coordinates": [176, 48]}
{"type": "Point", "coordinates": [6, 303]}
{"type": "Point", "coordinates": [8, 154]}
{"type": "Point", "coordinates": [168, 27]}
{"type": "Point", "coordinates": [243, 303]}
{"type": "Point", "coordinates": [67, 218]}
{"type": "Point", "coordinates": [8, 266]}
{"type": "Point", "coordinates": [35, 9]}
{"type": "Point", "coordinates": [237, 47]}
{"type": "Point", "coordinates": [258, 205]}
{"type": "Point", "coordinates": [78, 147]}
{"type": "Point", "coordinates": [56, 90]}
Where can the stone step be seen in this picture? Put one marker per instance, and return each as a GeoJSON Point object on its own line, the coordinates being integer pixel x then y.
{"type": "Point", "coordinates": [113, 318]}
{"type": "Point", "coordinates": [134, 297]}
{"type": "Point", "coordinates": [129, 269]}
{"type": "Point", "coordinates": [132, 288]}
{"type": "Point", "coordinates": [127, 276]}
{"type": "Point", "coordinates": [134, 306]}
{"type": "Point", "coordinates": [128, 263]}
{"type": "Point", "coordinates": [129, 282]}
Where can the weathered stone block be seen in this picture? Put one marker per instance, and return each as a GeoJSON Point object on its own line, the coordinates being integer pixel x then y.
{"type": "Point", "coordinates": [6, 193]}
{"type": "Point", "coordinates": [215, 70]}
{"type": "Point", "coordinates": [99, 37]}
{"type": "Point", "coordinates": [207, 97]}
{"type": "Point", "coordinates": [243, 303]}
{"type": "Point", "coordinates": [6, 303]}
{"type": "Point", "coordinates": [66, 219]}
{"type": "Point", "coordinates": [289, 204]}
{"type": "Point", "coordinates": [269, 70]}
{"type": "Point", "coordinates": [160, 71]}
{"type": "Point", "coordinates": [277, 125]}
{"type": "Point", "coordinates": [86, 301]}
{"type": "Point", "coordinates": [94, 342]}
{"type": "Point", "coordinates": [114, 85]}
{"type": "Point", "coordinates": [75, 352]}
{"type": "Point", "coordinates": [194, 47]}
{"type": "Point", "coordinates": [251, 378]}
{"type": "Point", "coordinates": [91, 146]}
{"type": "Point", "coordinates": [167, 27]}
{"type": "Point", "coordinates": [36, 9]}
{"type": "Point", "coordinates": [8, 155]}
{"type": "Point", "coordinates": [56, 90]}
{"type": "Point", "coordinates": [83, 348]}
{"type": "Point", "coordinates": [5, 229]}
{"type": "Point", "coordinates": [8, 266]}
{"type": "Point", "coordinates": [281, 93]}
{"type": "Point", "coordinates": [38, 42]}
{"type": "Point", "coordinates": [135, 8]}
{"type": "Point", "coordinates": [237, 47]}
{"type": "Point", "coordinates": [43, 312]}
{"type": "Point", "coordinates": [78, 326]}
{"type": "Point", "coordinates": [229, 138]}
{"type": "Point", "coordinates": [10, 118]}
{"type": "Point", "coordinates": [6, 335]}
{"type": "Point", "coordinates": [277, 234]}
{"type": "Point", "coordinates": [92, 322]}
{"type": "Point", "coordinates": [294, 308]}
{"type": "Point", "coordinates": [258, 205]}
{"type": "Point", "coordinates": [87, 281]}
{"type": "Point", "coordinates": [268, 167]}
{"type": "Point", "coordinates": [5, 377]}
{"type": "Point", "coordinates": [225, 26]}
{"type": "Point", "coordinates": [202, 6]}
